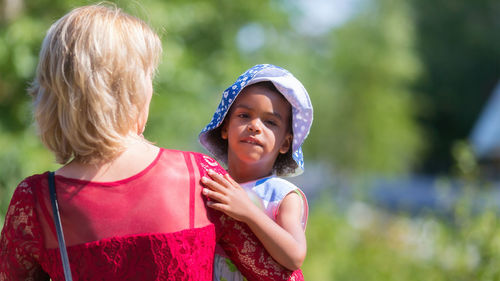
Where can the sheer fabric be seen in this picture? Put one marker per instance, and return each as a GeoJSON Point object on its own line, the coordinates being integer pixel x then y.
{"type": "Point", "coordinates": [151, 226]}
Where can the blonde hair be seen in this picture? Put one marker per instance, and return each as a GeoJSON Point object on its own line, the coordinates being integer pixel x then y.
{"type": "Point", "coordinates": [90, 84]}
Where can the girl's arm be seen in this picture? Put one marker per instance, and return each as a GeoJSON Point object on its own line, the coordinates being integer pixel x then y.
{"type": "Point", "coordinates": [284, 239]}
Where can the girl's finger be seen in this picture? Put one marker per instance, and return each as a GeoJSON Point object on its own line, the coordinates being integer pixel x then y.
{"type": "Point", "coordinates": [215, 195]}
{"type": "Point", "coordinates": [217, 206]}
{"type": "Point", "coordinates": [219, 178]}
{"type": "Point", "coordinates": [213, 185]}
{"type": "Point", "coordinates": [231, 180]}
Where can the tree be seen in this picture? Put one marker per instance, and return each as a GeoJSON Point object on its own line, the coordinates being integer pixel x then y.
{"type": "Point", "coordinates": [365, 108]}
{"type": "Point", "coordinates": [461, 65]}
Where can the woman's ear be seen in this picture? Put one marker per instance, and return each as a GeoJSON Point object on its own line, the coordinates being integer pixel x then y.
{"type": "Point", "coordinates": [287, 142]}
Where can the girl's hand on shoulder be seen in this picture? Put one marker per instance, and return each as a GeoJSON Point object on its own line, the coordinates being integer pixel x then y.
{"type": "Point", "coordinates": [228, 196]}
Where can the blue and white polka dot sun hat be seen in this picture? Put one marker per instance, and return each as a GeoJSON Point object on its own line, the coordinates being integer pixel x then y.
{"type": "Point", "coordinates": [289, 87]}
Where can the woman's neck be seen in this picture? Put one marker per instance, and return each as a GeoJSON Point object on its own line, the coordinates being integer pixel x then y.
{"type": "Point", "coordinates": [137, 155]}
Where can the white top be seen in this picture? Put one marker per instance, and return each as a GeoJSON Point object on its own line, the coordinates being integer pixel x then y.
{"type": "Point", "coordinates": [270, 192]}
{"type": "Point", "coordinates": [267, 193]}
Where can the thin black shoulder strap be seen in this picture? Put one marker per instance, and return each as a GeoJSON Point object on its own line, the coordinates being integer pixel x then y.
{"type": "Point", "coordinates": [60, 235]}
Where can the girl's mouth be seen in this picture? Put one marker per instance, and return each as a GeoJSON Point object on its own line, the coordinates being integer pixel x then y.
{"type": "Point", "coordinates": [251, 141]}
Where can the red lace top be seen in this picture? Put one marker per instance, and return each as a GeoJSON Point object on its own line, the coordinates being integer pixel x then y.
{"type": "Point", "coordinates": [151, 226]}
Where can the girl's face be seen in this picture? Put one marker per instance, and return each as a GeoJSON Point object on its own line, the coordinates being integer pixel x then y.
{"type": "Point", "coordinates": [257, 128]}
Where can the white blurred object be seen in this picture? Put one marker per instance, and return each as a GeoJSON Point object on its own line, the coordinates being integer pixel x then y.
{"type": "Point", "coordinates": [485, 137]}
{"type": "Point", "coordinates": [251, 38]}
{"type": "Point", "coordinates": [320, 16]}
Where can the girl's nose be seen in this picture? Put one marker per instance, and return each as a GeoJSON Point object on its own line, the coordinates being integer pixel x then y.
{"type": "Point", "coordinates": [254, 126]}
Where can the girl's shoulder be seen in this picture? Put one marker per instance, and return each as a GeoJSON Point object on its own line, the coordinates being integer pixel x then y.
{"type": "Point", "coordinates": [276, 186]}
{"type": "Point", "coordinates": [273, 190]}
{"type": "Point", "coordinates": [276, 181]}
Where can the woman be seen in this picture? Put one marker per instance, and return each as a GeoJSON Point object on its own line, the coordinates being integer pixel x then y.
{"type": "Point", "coordinates": [130, 210]}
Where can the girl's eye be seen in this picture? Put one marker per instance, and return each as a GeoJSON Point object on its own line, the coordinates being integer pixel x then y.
{"type": "Point", "coordinates": [271, 122]}
{"type": "Point", "coordinates": [242, 115]}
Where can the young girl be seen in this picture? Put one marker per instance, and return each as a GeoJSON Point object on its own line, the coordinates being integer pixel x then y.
{"type": "Point", "coordinates": [257, 131]}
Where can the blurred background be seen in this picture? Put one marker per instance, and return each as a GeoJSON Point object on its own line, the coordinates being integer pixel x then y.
{"type": "Point", "coordinates": [402, 162]}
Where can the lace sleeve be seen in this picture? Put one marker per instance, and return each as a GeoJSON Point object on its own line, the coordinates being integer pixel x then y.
{"type": "Point", "coordinates": [239, 242]}
{"type": "Point", "coordinates": [19, 242]}
{"type": "Point", "coordinates": [248, 253]}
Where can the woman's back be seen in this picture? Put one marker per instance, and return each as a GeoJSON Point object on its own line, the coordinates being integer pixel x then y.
{"type": "Point", "coordinates": [155, 200]}
{"type": "Point", "coordinates": [150, 226]}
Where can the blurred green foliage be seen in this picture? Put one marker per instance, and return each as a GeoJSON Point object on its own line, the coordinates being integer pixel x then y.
{"type": "Point", "coordinates": [368, 124]}
{"type": "Point", "coordinates": [461, 66]}
{"type": "Point", "coordinates": [393, 88]}
{"type": "Point", "coordinates": [359, 75]}
{"type": "Point", "coordinates": [362, 241]}
{"type": "Point", "coordinates": [369, 243]}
